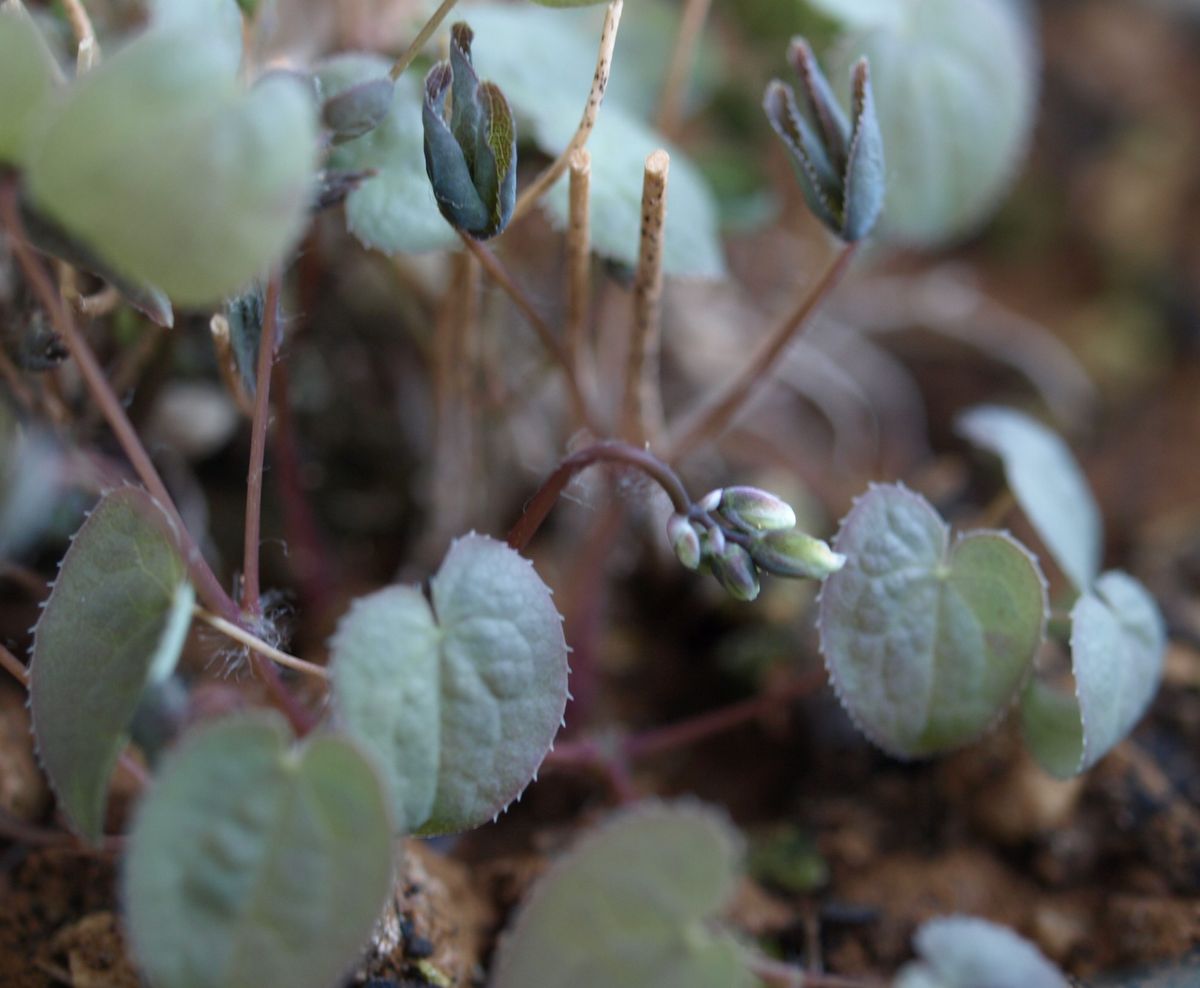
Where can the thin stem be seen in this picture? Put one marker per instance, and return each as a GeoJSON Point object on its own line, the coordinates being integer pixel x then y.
{"type": "Point", "coordinates": [207, 585]}
{"type": "Point", "coordinates": [611, 451]}
{"type": "Point", "coordinates": [641, 413]}
{"type": "Point", "coordinates": [251, 603]}
{"type": "Point", "coordinates": [703, 726]}
{"type": "Point", "coordinates": [495, 270]}
{"type": "Point", "coordinates": [14, 667]}
{"type": "Point", "coordinates": [713, 417]}
{"type": "Point", "coordinates": [608, 42]}
{"type": "Point", "coordinates": [691, 26]}
{"type": "Point", "coordinates": [413, 50]}
{"type": "Point", "coordinates": [579, 255]}
{"type": "Point", "coordinates": [231, 377]}
{"type": "Point", "coordinates": [87, 51]}
{"type": "Point", "coordinates": [260, 647]}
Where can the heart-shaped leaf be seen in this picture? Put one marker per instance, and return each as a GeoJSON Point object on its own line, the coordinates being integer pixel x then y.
{"type": "Point", "coordinates": [927, 643]}
{"type": "Point", "coordinates": [632, 904]}
{"type": "Point", "coordinates": [116, 620]}
{"type": "Point", "coordinates": [956, 110]}
{"type": "Point", "coordinates": [1118, 642]}
{"type": "Point", "coordinates": [26, 80]}
{"type": "Point", "coordinates": [161, 165]}
{"type": "Point", "coordinates": [458, 698]}
{"type": "Point", "coordinates": [253, 862]}
{"type": "Point", "coordinates": [1047, 483]}
{"type": "Point", "coordinates": [965, 952]}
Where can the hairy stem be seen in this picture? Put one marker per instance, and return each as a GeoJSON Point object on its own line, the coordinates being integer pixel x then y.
{"type": "Point", "coordinates": [611, 451]}
{"type": "Point", "coordinates": [496, 271]}
{"type": "Point", "coordinates": [608, 42]}
{"type": "Point", "coordinates": [714, 416]}
{"type": "Point", "coordinates": [251, 602]}
{"type": "Point", "coordinates": [207, 585]}
{"type": "Point", "coordinates": [413, 50]}
{"type": "Point", "coordinates": [258, 646]}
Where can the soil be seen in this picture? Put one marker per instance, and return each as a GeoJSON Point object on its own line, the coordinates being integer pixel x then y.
{"type": "Point", "coordinates": [849, 850]}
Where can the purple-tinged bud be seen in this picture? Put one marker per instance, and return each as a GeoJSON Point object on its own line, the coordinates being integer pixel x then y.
{"type": "Point", "coordinates": [794, 554]}
{"type": "Point", "coordinates": [754, 510]}
{"type": "Point", "coordinates": [710, 501]}
{"type": "Point", "coordinates": [685, 541]}
{"type": "Point", "coordinates": [736, 572]}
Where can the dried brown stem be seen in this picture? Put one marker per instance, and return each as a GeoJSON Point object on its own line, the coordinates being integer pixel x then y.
{"type": "Point", "coordinates": [608, 42]}
{"type": "Point", "coordinates": [14, 666]}
{"type": "Point", "coordinates": [679, 70]}
{"type": "Point", "coordinates": [716, 415]}
{"type": "Point", "coordinates": [579, 255]}
{"type": "Point", "coordinates": [258, 646]}
{"type": "Point", "coordinates": [413, 50]}
{"type": "Point", "coordinates": [231, 377]}
{"type": "Point", "coordinates": [87, 50]}
{"type": "Point", "coordinates": [641, 410]}
{"type": "Point", "coordinates": [496, 271]}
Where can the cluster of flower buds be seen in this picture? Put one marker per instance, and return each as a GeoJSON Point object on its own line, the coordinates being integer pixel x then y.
{"type": "Point", "coordinates": [736, 532]}
{"type": "Point", "coordinates": [839, 161]}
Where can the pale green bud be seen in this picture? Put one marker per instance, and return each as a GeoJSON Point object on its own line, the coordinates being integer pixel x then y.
{"type": "Point", "coordinates": [792, 553]}
{"type": "Point", "coordinates": [685, 541]}
{"type": "Point", "coordinates": [754, 510]}
{"type": "Point", "coordinates": [735, 571]}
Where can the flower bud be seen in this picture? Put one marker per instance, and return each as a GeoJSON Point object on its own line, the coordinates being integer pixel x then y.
{"type": "Point", "coordinates": [754, 510]}
{"type": "Point", "coordinates": [711, 501]}
{"type": "Point", "coordinates": [839, 161]}
{"type": "Point", "coordinates": [792, 553]}
{"type": "Point", "coordinates": [471, 158]}
{"type": "Point", "coordinates": [685, 541]}
{"type": "Point", "coordinates": [735, 571]}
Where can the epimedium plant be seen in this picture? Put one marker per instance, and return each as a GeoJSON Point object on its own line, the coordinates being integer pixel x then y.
{"type": "Point", "coordinates": [263, 848]}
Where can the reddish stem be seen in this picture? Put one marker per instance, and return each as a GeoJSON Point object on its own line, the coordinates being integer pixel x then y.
{"type": "Point", "coordinates": [251, 602]}
{"type": "Point", "coordinates": [611, 451]}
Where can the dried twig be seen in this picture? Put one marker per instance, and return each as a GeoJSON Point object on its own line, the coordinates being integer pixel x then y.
{"type": "Point", "coordinates": [87, 49]}
{"type": "Point", "coordinates": [579, 255]}
{"type": "Point", "coordinates": [691, 26]}
{"type": "Point", "coordinates": [642, 406]}
{"type": "Point", "coordinates": [260, 647]}
{"type": "Point", "coordinates": [608, 41]}
{"type": "Point", "coordinates": [413, 50]}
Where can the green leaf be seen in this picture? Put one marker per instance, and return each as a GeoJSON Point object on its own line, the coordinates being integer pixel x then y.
{"type": "Point", "coordinates": [955, 83]}
{"type": "Point", "coordinates": [26, 80]}
{"type": "Point", "coordinates": [458, 699]}
{"type": "Point", "coordinates": [396, 210]}
{"type": "Point", "coordinates": [522, 50]}
{"type": "Point", "coordinates": [632, 904]}
{"type": "Point", "coordinates": [253, 862]}
{"type": "Point", "coordinates": [927, 643]}
{"type": "Point", "coordinates": [1118, 642]}
{"type": "Point", "coordinates": [158, 162]}
{"type": "Point", "coordinates": [1047, 483]}
{"type": "Point", "coordinates": [116, 620]}
{"type": "Point", "coordinates": [965, 952]}
{"type": "Point", "coordinates": [218, 19]}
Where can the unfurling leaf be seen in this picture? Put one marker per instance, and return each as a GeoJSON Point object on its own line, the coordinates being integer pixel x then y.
{"type": "Point", "coordinates": [254, 861]}
{"type": "Point", "coordinates": [839, 161]}
{"type": "Point", "coordinates": [1118, 642]}
{"type": "Point", "coordinates": [632, 904]}
{"type": "Point", "coordinates": [470, 156]}
{"type": "Point", "coordinates": [359, 109]}
{"type": "Point", "coordinates": [115, 622]}
{"type": "Point", "coordinates": [927, 642]}
{"type": "Point", "coordinates": [457, 697]}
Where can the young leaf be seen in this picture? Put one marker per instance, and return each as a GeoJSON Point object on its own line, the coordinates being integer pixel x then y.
{"type": "Point", "coordinates": [395, 210]}
{"type": "Point", "coordinates": [116, 620]}
{"type": "Point", "coordinates": [158, 163]}
{"type": "Point", "coordinates": [632, 904]}
{"type": "Point", "coordinates": [253, 862]}
{"type": "Point", "coordinates": [956, 110]}
{"type": "Point", "coordinates": [965, 952]}
{"type": "Point", "coordinates": [547, 94]}
{"type": "Point", "coordinates": [458, 698]}
{"type": "Point", "coordinates": [927, 643]}
{"type": "Point", "coordinates": [1118, 642]}
{"type": "Point", "coordinates": [1047, 483]}
{"type": "Point", "coordinates": [26, 80]}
